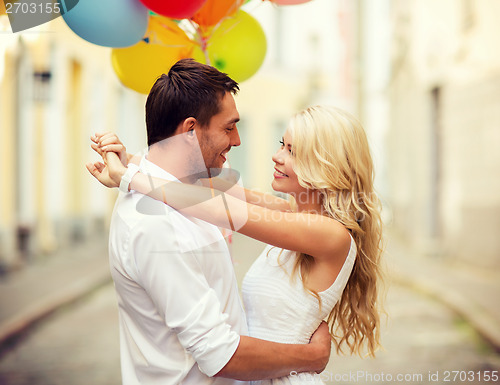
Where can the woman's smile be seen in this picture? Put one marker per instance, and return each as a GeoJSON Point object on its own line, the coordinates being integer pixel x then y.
{"type": "Point", "coordinates": [278, 174]}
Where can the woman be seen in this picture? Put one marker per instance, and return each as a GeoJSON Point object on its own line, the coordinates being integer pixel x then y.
{"type": "Point", "coordinates": [325, 243]}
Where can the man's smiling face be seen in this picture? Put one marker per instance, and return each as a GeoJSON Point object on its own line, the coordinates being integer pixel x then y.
{"type": "Point", "coordinates": [221, 134]}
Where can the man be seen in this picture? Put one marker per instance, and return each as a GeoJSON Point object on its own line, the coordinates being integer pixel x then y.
{"type": "Point", "coordinates": [181, 319]}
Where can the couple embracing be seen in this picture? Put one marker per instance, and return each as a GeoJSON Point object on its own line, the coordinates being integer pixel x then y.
{"type": "Point", "coordinates": [181, 317]}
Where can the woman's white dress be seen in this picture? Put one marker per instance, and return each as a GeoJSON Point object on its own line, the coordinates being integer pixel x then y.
{"type": "Point", "coordinates": [279, 309]}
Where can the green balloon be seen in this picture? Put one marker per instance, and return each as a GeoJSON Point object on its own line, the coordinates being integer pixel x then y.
{"type": "Point", "coordinates": [237, 47]}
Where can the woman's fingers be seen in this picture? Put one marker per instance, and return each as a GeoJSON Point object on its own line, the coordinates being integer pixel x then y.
{"type": "Point", "coordinates": [93, 170]}
{"type": "Point", "coordinates": [112, 148]}
{"type": "Point", "coordinates": [109, 138]}
{"type": "Point", "coordinates": [105, 147]}
{"type": "Point", "coordinates": [105, 138]}
{"type": "Point", "coordinates": [96, 148]}
{"type": "Point", "coordinates": [101, 173]}
{"type": "Point", "coordinates": [99, 166]}
{"type": "Point", "coordinates": [108, 142]}
{"type": "Point", "coordinates": [99, 135]}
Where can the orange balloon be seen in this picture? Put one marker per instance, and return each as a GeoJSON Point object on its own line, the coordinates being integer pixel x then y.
{"type": "Point", "coordinates": [163, 30]}
{"type": "Point", "coordinates": [3, 3]}
{"type": "Point", "coordinates": [214, 11]}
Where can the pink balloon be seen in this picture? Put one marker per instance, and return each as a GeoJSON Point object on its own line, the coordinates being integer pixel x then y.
{"type": "Point", "coordinates": [289, 2]}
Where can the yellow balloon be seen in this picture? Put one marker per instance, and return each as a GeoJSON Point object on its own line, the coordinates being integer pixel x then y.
{"type": "Point", "coordinates": [237, 47]}
{"type": "Point", "coordinates": [140, 65]}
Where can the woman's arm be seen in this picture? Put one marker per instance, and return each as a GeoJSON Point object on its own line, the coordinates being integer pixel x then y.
{"type": "Point", "coordinates": [312, 234]}
{"type": "Point", "coordinates": [227, 182]}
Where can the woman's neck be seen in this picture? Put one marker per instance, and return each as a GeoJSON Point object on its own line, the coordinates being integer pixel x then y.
{"type": "Point", "coordinates": [308, 202]}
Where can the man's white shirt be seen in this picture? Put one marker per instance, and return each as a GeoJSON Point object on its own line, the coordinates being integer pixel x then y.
{"type": "Point", "coordinates": [180, 313]}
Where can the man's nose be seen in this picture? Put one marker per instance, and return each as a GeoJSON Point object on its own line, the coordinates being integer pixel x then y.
{"type": "Point", "coordinates": [235, 138]}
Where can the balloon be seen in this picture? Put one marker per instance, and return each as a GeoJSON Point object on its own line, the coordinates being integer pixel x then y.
{"type": "Point", "coordinates": [110, 23]}
{"type": "Point", "coordinates": [3, 3]}
{"type": "Point", "coordinates": [176, 9]}
{"type": "Point", "coordinates": [289, 2]}
{"type": "Point", "coordinates": [139, 66]}
{"type": "Point", "coordinates": [237, 47]}
{"type": "Point", "coordinates": [215, 10]}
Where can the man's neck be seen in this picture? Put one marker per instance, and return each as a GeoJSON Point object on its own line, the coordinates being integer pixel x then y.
{"type": "Point", "coordinates": [172, 161]}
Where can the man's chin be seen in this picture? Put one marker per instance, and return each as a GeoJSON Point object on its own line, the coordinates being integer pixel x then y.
{"type": "Point", "coordinates": [214, 171]}
{"type": "Point", "coordinates": [207, 173]}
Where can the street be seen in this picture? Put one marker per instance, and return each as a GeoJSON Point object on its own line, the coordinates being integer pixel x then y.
{"type": "Point", "coordinates": [77, 345]}
{"type": "Point", "coordinates": [424, 343]}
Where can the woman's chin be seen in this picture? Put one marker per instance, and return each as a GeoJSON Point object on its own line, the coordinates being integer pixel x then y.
{"type": "Point", "coordinates": [275, 186]}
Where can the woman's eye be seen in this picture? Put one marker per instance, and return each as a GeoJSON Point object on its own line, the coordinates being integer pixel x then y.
{"type": "Point", "coordinates": [282, 143]}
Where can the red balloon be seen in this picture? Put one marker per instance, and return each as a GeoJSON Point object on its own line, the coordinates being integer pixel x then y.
{"type": "Point", "coordinates": [174, 9]}
{"type": "Point", "coordinates": [289, 2]}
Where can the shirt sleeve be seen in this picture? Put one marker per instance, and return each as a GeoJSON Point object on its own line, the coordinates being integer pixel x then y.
{"type": "Point", "coordinates": [177, 284]}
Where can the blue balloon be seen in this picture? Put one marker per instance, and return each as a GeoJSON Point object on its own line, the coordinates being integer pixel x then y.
{"type": "Point", "coordinates": [110, 23]}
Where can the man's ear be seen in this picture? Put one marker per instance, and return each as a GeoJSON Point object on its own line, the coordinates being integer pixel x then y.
{"type": "Point", "coordinates": [188, 126]}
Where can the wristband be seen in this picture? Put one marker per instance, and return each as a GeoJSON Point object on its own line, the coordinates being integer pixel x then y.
{"type": "Point", "coordinates": [132, 169]}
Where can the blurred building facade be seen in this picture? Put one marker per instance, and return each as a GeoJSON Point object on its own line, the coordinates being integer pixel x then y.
{"type": "Point", "coordinates": [312, 55]}
{"type": "Point", "coordinates": [442, 143]}
{"type": "Point", "coordinates": [55, 91]}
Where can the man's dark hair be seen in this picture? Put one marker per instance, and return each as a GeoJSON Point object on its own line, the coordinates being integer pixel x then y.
{"type": "Point", "coordinates": [190, 89]}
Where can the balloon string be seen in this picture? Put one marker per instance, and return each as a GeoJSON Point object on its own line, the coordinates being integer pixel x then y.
{"type": "Point", "coordinates": [204, 48]}
{"type": "Point", "coordinates": [206, 39]}
{"type": "Point", "coordinates": [203, 40]}
{"type": "Point", "coordinates": [228, 14]}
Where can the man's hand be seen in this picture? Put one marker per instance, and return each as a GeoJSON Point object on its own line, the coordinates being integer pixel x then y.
{"type": "Point", "coordinates": [322, 340]}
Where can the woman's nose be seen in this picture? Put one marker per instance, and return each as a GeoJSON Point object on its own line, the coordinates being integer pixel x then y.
{"type": "Point", "coordinates": [278, 157]}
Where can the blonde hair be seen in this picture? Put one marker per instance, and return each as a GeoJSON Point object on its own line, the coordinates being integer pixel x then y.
{"type": "Point", "coordinates": [332, 156]}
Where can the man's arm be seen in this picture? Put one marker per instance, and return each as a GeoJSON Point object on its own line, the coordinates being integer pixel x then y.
{"type": "Point", "coordinates": [196, 316]}
{"type": "Point", "coordinates": [256, 359]}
